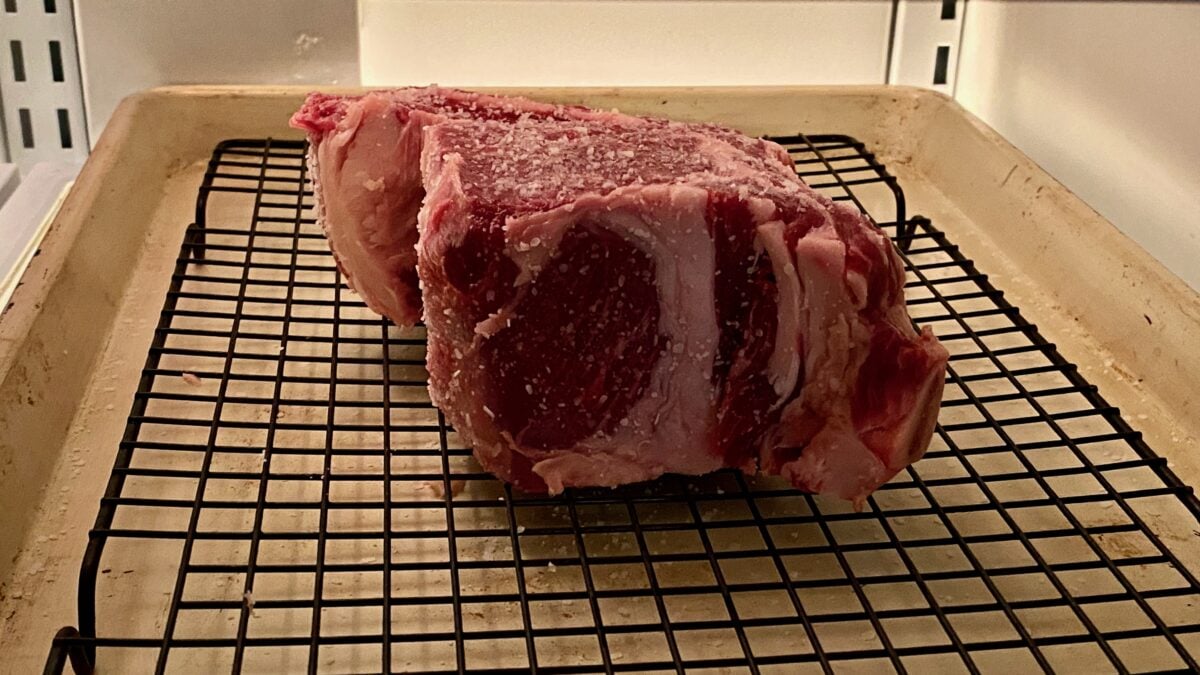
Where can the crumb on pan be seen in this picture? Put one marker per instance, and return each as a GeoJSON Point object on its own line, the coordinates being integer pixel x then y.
{"type": "Point", "coordinates": [439, 490]}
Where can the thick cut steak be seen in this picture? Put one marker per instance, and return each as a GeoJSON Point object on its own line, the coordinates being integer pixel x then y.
{"type": "Point", "coordinates": [364, 161]}
{"type": "Point", "coordinates": [610, 299]}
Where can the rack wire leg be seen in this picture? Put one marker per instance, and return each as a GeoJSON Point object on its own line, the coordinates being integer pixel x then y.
{"type": "Point", "coordinates": [64, 648]}
{"type": "Point", "coordinates": [85, 601]}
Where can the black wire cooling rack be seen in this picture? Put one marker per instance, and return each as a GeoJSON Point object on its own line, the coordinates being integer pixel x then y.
{"type": "Point", "coordinates": [286, 499]}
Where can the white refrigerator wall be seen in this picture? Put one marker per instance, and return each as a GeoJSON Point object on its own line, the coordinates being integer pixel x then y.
{"type": "Point", "coordinates": [1106, 97]}
{"type": "Point", "coordinates": [621, 42]}
{"type": "Point", "coordinates": [126, 46]}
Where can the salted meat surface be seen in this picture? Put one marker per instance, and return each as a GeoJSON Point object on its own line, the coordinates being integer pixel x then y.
{"type": "Point", "coordinates": [607, 301]}
{"type": "Point", "coordinates": [364, 162]}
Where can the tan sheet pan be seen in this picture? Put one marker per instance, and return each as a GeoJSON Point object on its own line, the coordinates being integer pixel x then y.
{"type": "Point", "coordinates": [73, 339]}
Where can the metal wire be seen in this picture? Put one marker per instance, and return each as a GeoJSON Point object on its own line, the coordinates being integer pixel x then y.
{"type": "Point", "coordinates": [281, 443]}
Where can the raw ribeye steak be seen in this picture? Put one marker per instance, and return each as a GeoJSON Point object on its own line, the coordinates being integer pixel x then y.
{"type": "Point", "coordinates": [364, 161]}
{"type": "Point", "coordinates": [607, 302]}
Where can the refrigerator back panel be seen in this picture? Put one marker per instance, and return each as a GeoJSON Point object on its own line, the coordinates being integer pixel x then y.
{"type": "Point", "coordinates": [616, 43]}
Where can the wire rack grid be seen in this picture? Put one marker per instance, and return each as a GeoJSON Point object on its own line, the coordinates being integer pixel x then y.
{"type": "Point", "coordinates": [286, 498]}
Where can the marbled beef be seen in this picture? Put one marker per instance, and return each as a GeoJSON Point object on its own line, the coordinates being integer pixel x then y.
{"type": "Point", "coordinates": [609, 299]}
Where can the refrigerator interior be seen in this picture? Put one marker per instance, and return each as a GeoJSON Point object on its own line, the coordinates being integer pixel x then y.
{"type": "Point", "coordinates": [1098, 95]}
